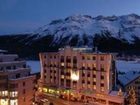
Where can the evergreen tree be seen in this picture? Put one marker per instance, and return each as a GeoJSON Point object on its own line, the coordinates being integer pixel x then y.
{"type": "Point", "coordinates": [131, 97]}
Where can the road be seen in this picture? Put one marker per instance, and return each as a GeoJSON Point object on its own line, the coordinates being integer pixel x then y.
{"type": "Point", "coordinates": [58, 101]}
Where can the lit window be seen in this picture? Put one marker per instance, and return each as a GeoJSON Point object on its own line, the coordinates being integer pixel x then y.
{"type": "Point", "coordinates": [13, 102]}
{"type": "Point", "coordinates": [83, 85]}
{"type": "Point", "coordinates": [75, 76]}
{"type": "Point", "coordinates": [3, 101]}
{"type": "Point", "coordinates": [88, 57]}
{"type": "Point", "coordinates": [62, 76]}
{"type": "Point", "coordinates": [4, 93]}
{"type": "Point", "coordinates": [94, 72]}
{"type": "Point", "coordinates": [88, 86]}
{"type": "Point", "coordinates": [83, 64]}
{"type": "Point", "coordinates": [13, 94]}
{"type": "Point", "coordinates": [102, 81]}
{"type": "Point", "coordinates": [94, 79]}
{"type": "Point", "coordinates": [62, 64]}
{"type": "Point", "coordinates": [102, 89]}
{"type": "Point", "coordinates": [94, 87]}
{"type": "Point", "coordinates": [89, 78]}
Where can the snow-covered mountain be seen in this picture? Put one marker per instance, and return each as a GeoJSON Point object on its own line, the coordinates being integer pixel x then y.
{"type": "Point", "coordinates": [120, 27]}
{"type": "Point", "coordinates": [110, 34]}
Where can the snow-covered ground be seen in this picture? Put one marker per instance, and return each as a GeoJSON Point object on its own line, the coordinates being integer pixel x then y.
{"type": "Point", "coordinates": [35, 66]}
{"type": "Point", "coordinates": [123, 66]}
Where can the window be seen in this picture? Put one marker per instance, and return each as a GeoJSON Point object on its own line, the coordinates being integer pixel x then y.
{"type": "Point", "coordinates": [8, 67]}
{"type": "Point", "coordinates": [45, 56]}
{"type": "Point", "coordinates": [93, 58]}
{"type": "Point", "coordinates": [18, 75]}
{"type": "Point", "coordinates": [88, 57]}
{"type": "Point", "coordinates": [94, 83]}
{"type": "Point", "coordinates": [94, 76]}
{"type": "Point", "coordinates": [94, 79]}
{"type": "Point", "coordinates": [14, 67]}
{"type": "Point", "coordinates": [88, 75]}
{"type": "Point", "coordinates": [45, 76]}
{"type": "Point", "coordinates": [83, 74]}
{"type": "Point", "coordinates": [94, 72]}
{"type": "Point", "coordinates": [62, 76]}
{"type": "Point", "coordinates": [74, 59]}
{"type": "Point", "coordinates": [1, 68]}
{"type": "Point", "coordinates": [62, 58]}
{"type": "Point", "coordinates": [45, 65]}
{"type": "Point", "coordinates": [13, 102]}
{"type": "Point", "coordinates": [83, 58]}
{"type": "Point", "coordinates": [102, 85]}
{"type": "Point", "coordinates": [50, 56]}
{"type": "Point", "coordinates": [23, 83]}
{"type": "Point", "coordinates": [24, 66]}
{"type": "Point", "coordinates": [102, 77]}
{"type": "Point", "coordinates": [102, 89]}
{"type": "Point", "coordinates": [102, 58]}
{"type": "Point", "coordinates": [24, 99]}
{"type": "Point", "coordinates": [23, 91]}
{"type": "Point", "coordinates": [68, 59]}
{"type": "Point", "coordinates": [62, 64]}
{"type": "Point", "coordinates": [94, 66]}
{"type": "Point", "coordinates": [83, 66]}
{"type": "Point", "coordinates": [83, 81]}
{"type": "Point", "coordinates": [3, 93]}
{"type": "Point", "coordinates": [94, 87]}
{"type": "Point", "coordinates": [14, 94]}
{"type": "Point", "coordinates": [13, 85]}
{"type": "Point", "coordinates": [102, 67]}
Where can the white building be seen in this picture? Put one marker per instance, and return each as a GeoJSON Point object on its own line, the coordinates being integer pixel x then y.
{"type": "Point", "coordinates": [80, 74]}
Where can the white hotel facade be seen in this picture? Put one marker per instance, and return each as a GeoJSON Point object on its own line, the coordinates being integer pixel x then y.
{"type": "Point", "coordinates": [80, 74]}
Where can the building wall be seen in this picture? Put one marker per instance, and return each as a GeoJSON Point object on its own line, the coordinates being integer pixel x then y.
{"type": "Point", "coordinates": [93, 70]}
{"type": "Point", "coordinates": [16, 83]}
{"type": "Point", "coordinates": [79, 71]}
{"type": "Point", "coordinates": [25, 88]}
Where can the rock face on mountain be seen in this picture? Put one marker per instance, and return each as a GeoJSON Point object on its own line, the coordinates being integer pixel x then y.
{"type": "Point", "coordinates": [111, 33]}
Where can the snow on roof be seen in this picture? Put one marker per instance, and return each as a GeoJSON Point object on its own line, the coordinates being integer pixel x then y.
{"type": "Point", "coordinates": [128, 77]}
{"type": "Point", "coordinates": [126, 66]}
{"type": "Point", "coordinates": [2, 51]}
{"type": "Point", "coordinates": [115, 93]}
{"type": "Point", "coordinates": [35, 66]}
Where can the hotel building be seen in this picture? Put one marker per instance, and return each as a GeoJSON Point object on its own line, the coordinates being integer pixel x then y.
{"type": "Point", "coordinates": [16, 82]}
{"type": "Point", "coordinates": [80, 74]}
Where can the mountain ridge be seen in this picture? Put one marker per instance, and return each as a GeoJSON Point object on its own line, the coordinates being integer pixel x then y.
{"type": "Point", "coordinates": [109, 33]}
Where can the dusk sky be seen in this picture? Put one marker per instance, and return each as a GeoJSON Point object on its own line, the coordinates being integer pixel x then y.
{"type": "Point", "coordinates": [20, 16]}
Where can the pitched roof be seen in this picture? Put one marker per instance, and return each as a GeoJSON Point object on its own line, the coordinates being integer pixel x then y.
{"type": "Point", "coordinates": [128, 77]}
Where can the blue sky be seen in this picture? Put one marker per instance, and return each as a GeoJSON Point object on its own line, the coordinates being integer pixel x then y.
{"type": "Point", "coordinates": [19, 16]}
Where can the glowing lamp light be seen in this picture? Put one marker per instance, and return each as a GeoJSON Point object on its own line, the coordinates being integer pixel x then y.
{"type": "Point", "coordinates": [74, 76]}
